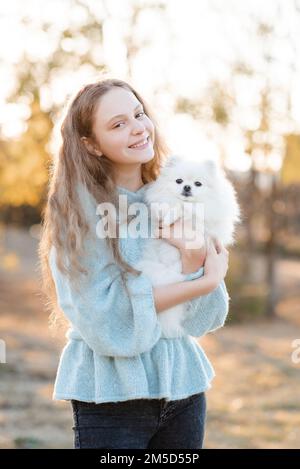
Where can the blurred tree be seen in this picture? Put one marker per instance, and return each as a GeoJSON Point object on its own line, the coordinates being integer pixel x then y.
{"type": "Point", "coordinates": [132, 43]}
{"type": "Point", "coordinates": [290, 171]}
{"type": "Point", "coordinates": [24, 161]}
{"type": "Point", "coordinates": [264, 144]}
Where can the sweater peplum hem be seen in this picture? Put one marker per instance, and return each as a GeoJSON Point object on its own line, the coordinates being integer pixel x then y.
{"type": "Point", "coordinates": [173, 369]}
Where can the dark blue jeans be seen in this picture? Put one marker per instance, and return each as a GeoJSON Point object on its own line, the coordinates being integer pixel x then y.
{"type": "Point", "coordinates": [140, 423]}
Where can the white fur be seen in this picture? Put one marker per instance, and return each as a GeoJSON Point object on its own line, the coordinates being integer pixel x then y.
{"type": "Point", "coordinates": [161, 261]}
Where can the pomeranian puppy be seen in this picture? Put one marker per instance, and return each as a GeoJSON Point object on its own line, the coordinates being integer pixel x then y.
{"type": "Point", "coordinates": [200, 194]}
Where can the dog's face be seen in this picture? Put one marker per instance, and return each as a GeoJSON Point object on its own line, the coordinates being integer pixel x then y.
{"type": "Point", "coordinates": [187, 180]}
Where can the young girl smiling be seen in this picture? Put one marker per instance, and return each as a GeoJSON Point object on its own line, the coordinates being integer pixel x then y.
{"type": "Point", "coordinates": [129, 386]}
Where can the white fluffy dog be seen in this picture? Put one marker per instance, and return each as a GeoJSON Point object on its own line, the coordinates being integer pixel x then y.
{"type": "Point", "coordinates": [200, 194]}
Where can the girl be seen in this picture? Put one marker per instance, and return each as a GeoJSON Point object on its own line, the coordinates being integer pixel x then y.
{"type": "Point", "coordinates": [128, 385]}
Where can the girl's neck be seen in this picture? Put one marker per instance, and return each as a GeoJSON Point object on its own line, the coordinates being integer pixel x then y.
{"type": "Point", "coordinates": [130, 187]}
{"type": "Point", "coordinates": [132, 182]}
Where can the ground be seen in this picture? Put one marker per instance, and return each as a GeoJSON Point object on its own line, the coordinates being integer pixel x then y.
{"type": "Point", "coordinates": [254, 401]}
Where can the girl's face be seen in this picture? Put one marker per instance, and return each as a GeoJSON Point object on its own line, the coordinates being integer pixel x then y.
{"type": "Point", "coordinates": [119, 123]}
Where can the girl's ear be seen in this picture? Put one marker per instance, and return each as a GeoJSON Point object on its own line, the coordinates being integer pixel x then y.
{"type": "Point", "coordinates": [90, 147]}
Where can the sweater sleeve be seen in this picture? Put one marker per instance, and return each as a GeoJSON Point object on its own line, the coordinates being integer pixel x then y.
{"type": "Point", "coordinates": [206, 313]}
{"type": "Point", "coordinates": [110, 321]}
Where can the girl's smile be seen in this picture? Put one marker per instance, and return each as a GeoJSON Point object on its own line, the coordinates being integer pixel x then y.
{"type": "Point", "coordinates": [144, 143]}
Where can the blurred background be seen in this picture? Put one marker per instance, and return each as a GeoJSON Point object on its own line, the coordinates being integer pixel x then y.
{"type": "Point", "coordinates": [223, 79]}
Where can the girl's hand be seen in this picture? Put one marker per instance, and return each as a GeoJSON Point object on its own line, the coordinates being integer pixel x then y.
{"type": "Point", "coordinates": [216, 263]}
{"type": "Point", "coordinates": [179, 235]}
{"type": "Point", "coordinates": [192, 249]}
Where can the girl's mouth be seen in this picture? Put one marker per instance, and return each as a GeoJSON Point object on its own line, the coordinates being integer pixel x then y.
{"type": "Point", "coordinates": [141, 146]}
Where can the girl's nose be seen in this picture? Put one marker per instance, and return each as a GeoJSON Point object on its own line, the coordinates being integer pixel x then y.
{"type": "Point", "coordinates": [139, 127]}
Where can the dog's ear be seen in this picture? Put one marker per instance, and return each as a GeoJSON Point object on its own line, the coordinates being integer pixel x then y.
{"type": "Point", "coordinates": [211, 166]}
{"type": "Point", "coordinates": [173, 160]}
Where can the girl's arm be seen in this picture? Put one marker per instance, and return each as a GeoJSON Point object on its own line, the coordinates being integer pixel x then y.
{"type": "Point", "coordinates": [196, 284]}
{"type": "Point", "coordinates": [211, 252]}
{"type": "Point", "coordinates": [173, 294]}
{"type": "Point", "coordinates": [208, 312]}
{"type": "Point", "coordinates": [208, 309]}
{"type": "Point", "coordinates": [109, 319]}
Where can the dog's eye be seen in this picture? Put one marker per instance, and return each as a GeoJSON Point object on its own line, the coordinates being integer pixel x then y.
{"type": "Point", "coordinates": [197, 183]}
{"type": "Point", "coordinates": [179, 181]}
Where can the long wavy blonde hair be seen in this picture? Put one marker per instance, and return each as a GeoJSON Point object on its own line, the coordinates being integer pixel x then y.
{"type": "Point", "coordinates": [64, 224]}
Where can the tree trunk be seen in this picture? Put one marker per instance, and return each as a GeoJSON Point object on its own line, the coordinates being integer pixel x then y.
{"type": "Point", "coordinates": [270, 251]}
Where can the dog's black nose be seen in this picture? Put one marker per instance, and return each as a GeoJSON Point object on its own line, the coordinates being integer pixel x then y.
{"type": "Point", "coordinates": [187, 188]}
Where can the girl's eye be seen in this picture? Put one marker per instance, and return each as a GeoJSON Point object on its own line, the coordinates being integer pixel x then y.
{"type": "Point", "coordinates": [179, 181]}
{"type": "Point", "coordinates": [116, 126]}
{"type": "Point", "coordinates": [197, 183]}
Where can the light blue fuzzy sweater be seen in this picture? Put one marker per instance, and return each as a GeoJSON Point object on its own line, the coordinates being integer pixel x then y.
{"type": "Point", "coordinates": [115, 349]}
